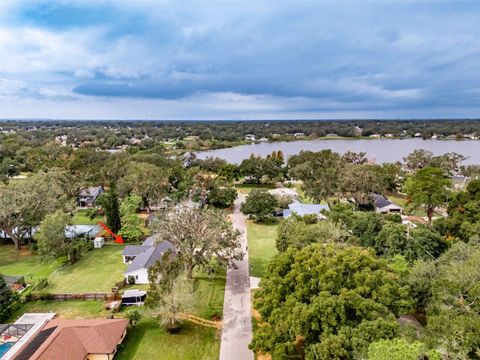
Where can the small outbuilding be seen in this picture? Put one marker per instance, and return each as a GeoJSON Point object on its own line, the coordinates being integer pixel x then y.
{"type": "Point", "coordinates": [98, 242]}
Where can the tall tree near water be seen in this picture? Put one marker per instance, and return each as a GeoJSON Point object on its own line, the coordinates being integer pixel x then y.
{"type": "Point", "coordinates": [429, 187]}
{"type": "Point", "coordinates": [319, 171]}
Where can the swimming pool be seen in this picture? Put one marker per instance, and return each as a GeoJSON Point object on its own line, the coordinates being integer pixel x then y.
{"type": "Point", "coordinates": [4, 348]}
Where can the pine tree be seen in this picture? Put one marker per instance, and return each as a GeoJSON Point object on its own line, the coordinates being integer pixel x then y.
{"type": "Point", "coordinates": [109, 202]}
{"type": "Point", "coordinates": [7, 298]}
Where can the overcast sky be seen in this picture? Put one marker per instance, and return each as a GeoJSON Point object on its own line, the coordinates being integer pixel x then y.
{"type": "Point", "coordinates": [228, 59]}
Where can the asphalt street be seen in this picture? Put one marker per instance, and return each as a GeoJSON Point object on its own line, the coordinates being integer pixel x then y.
{"type": "Point", "coordinates": [237, 314]}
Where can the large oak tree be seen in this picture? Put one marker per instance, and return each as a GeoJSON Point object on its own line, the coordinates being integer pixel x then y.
{"type": "Point", "coordinates": [327, 301]}
{"type": "Point", "coordinates": [199, 236]}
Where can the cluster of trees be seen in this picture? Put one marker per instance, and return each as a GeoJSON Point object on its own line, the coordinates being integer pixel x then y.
{"type": "Point", "coordinates": [337, 292]}
{"type": "Point", "coordinates": [337, 287]}
{"type": "Point", "coordinates": [24, 204]}
{"type": "Point", "coordinates": [266, 170]}
{"type": "Point", "coordinates": [26, 145]}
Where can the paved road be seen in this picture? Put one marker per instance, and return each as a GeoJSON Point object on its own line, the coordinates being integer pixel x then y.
{"type": "Point", "coordinates": [237, 316]}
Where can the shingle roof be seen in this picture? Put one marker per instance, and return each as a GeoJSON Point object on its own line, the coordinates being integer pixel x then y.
{"type": "Point", "coordinates": [75, 339]}
{"type": "Point", "coordinates": [133, 250]}
{"type": "Point", "coordinates": [150, 256]}
{"type": "Point", "coordinates": [307, 209]}
{"type": "Point", "coordinates": [380, 201]}
{"type": "Point", "coordinates": [91, 192]}
{"type": "Point", "coordinates": [149, 241]}
{"type": "Point", "coordinates": [12, 279]}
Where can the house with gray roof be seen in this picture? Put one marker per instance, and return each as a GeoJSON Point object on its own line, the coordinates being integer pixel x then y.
{"type": "Point", "coordinates": [141, 257]}
{"type": "Point", "coordinates": [87, 197]}
{"type": "Point", "coordinates": [300, 209]}
{"type": "Point", "coordinates": [385, 206]}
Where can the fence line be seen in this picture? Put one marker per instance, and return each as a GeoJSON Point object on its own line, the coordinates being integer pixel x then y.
{"type": "Point", "coordinates": [70, 296]}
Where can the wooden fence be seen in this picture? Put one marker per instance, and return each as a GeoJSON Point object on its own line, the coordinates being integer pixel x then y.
{"type": "Point", "coordinates": [69, 296]}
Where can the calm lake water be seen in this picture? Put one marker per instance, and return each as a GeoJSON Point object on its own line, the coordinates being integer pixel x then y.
{"type": "Point", "coordinates": [379, 150]}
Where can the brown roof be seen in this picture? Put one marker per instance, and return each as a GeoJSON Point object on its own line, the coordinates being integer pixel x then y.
{"type": "Point", "coordinates": [75, 339]}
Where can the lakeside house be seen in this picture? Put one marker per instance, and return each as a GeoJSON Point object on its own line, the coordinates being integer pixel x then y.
{"type": "Point", "coordinates": [300, 209]}
{"type": "Point", "coordinates": [87, 197]}
{"type": "Point", "coordinates": [385, 206]}
{"type": "Point", "coordinates": [141, 257]}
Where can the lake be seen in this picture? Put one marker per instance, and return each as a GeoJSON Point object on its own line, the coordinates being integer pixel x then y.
{"type": "Point", "coordinates": [378, 150]}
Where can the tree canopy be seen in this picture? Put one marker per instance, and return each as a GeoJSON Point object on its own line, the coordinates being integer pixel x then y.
{"type": "Point", "coordinates": [296, 233]}
{"type": "Point", "coordinates": [327, 301]}
{"type": "Point", "coordinates": [429, 187]}
{"type": "Point", "coordinates": [260, 204]}
{"type": "Point", "coordinates": [199, 236]}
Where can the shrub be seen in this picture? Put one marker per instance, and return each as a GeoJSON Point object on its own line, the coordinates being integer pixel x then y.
{"type": "Point", "coordinates": [134, 316]}
{"type": "Point", "coordinates": [43, 295]}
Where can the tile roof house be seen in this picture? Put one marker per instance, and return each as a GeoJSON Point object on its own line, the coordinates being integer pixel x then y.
{"type": "Point", "coordinates": [384, 206]}
{"type": "Point", "coordinates": [305, 209]}
{"type": "Point", "coordinates": [60, 339]}
{"type": "Point", "coordinates": [87, 197]}
{"type": "Point", "coordinates": [141, 257]}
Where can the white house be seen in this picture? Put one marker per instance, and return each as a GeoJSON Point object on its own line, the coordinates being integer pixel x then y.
{"type": "Point", "coordinates": [141, 257]}
{"type": "Point", "coordinates": [305, 209]}
{"type": "Point", "coordinates": [384, 206]}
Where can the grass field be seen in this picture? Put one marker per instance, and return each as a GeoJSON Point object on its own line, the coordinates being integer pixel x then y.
{"type": "Point", "coordinates": [261, 246]}
{"type": "Point", "coordinates": [22, 262]}
{"type": "Point", "coordinates": [301, 195]}
{"type": "Point", "coordinates": [81, 218]}
{"type": "Point", "coordinates": [247, 188]}
{"type": "Point", "coordinates": [65, 309]}
{"type": "Point", "coordinates": [97, 270]}
{"type": "Point", "coordinates": [149, 341]}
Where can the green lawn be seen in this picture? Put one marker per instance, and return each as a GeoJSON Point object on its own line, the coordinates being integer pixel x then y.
{"type": "Point", "coordinates": [149, 341]}
{"type": "Point", "coordinates": [398, 199]}
{"type": "Point", "coordinates": [81, 218]}
{"type": "Point", "coordinates": [301, 195]}
{"type": "Point", "coordinates": [261, 246]}
{"type": "Point", "coordinates": [209, 291]}
{"type": "Point", "coordinates": [65, 309]}
{"type": "Point", "coordinates": [247, 188]}
{"type": "Point", "coordinates": [22, 262]}
{"type": "Point", "coordinates": [97, 270]}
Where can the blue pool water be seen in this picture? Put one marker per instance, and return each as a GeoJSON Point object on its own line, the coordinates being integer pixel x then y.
{"type": "Point", "coordinates": [4, 348]}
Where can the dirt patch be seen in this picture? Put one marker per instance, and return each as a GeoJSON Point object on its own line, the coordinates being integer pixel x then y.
{"type": "Point", "coordinates": [256, 315]}
{"type": "Point", "coordinates": [264, 357]}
